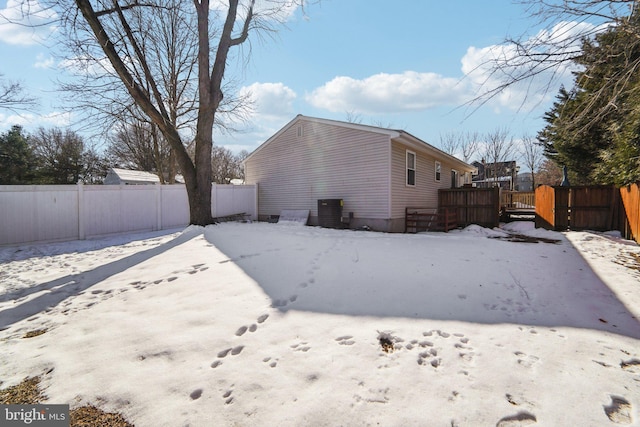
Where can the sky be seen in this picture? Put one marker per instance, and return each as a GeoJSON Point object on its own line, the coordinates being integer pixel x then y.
{"type": "Point", "coordinates": [410, 65]}
{"type": "Point", "coordinates": [197, 327]}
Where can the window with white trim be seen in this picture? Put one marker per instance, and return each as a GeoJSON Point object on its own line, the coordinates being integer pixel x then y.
{"type": "Point", "coordinates": [438, 170]}
{"type": "Point", "coordinates": [411, 168]}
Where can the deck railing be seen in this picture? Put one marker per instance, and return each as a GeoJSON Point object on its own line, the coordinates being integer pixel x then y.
{"type": "Point", "coordinates": [429, 219]}
{"type": "Point", "coordinates": [517, 199]}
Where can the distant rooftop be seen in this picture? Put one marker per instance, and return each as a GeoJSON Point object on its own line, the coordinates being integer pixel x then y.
{"type": "Point", "coordinates": [117, 176]}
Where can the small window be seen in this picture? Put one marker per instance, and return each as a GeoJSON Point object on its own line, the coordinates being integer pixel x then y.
{"type": "Point", "coordinates": [438, 171]}
{"type": "Point", "coordinates": [411, 168]}
{"type": "Point", "coordinates": [300, 131]}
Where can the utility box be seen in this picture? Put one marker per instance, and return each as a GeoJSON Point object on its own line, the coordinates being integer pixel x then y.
{"type": "Point", "coordinates": [330, 213]}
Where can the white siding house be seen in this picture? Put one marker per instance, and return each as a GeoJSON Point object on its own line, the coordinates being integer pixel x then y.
{"type": "Point", "coordinates": [377, 172]}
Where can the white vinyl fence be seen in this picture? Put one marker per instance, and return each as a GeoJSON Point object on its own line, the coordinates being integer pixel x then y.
{"type": "Point", "coordinates": [36, 213]}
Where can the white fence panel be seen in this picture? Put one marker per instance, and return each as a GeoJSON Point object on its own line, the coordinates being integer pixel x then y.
{"type": "Point", "coordinates": [36, 213]}
{"type": "Point", "coordinates": [117, 209]}
{"type": "Point", "coordinates": [33, 213]}
{"type": "Point", "coordinates": [174, 206]}
{"type": "Point", "coordinates": [234, 199]}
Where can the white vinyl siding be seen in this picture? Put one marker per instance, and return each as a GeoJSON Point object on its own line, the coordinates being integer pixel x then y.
{"type": "Point", "coordinates": [311, 161]}
{"type": "Point", "coordinates": [425, 192]}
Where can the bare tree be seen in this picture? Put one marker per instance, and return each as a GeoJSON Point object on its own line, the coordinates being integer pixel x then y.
{"type": "Point", "coordinates": [13, 97]}
{"type": "Point", "coordinates": [531, 151]}
{"type": "Point", "coordinates": [223, 165]}
{"type": "Point", "coordinates": [498, 149]}
{"type": "Point", "coordinates": [113, 34]}
{"type": "Point", "coordinates": [450, 143]}
{"type": "Point", "coordinates": [352, 116]}
{"type": "Point", "coordinates": [243, 154]}
{"type": "Point", "coordinates": [470, 145]}
{"type": "Point", "coordinates": [141, 146]}
{"type": "Point", "coordinates": [465, 144]}
{"type": "Point", "coordinates": [549, 173]}
{"type": "Point", "coordinates": [554, 52]}
{"type": "Point", "coordinates": [168, 38]}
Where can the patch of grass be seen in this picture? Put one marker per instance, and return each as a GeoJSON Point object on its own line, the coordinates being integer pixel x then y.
{"type": "Point", "coordinates": [631, 260]}
{"type": "Point", "coordinates": [635, 257]}
{"type": "Point", "coordinates": [25, 393]}
{"type": "Point", "coordinates": [35, 333]}
{"type": "Point", "coordinates": [90, 416]}
{"type": "Point", "coordinates": [28, 393]}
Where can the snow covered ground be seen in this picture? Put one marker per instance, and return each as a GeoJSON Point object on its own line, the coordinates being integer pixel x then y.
{"type": "Point", "coordinates": [276, 325]}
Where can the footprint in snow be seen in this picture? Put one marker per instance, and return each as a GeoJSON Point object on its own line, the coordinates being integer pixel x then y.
{"type": "Point", "coordinates": [272, 363]}
{"type": "Point", "coordinates": [619, 410]}
{"type": "Point", "coordinates": [234, 351]}
{"type": "Point", "coordinates": [279, 303]}
{"type": "Point", "coordinates": [302, 346]}
{"type": "Point", "coordinates": [526, 360]}
{"type": "Point", "coordinates": [632, 366]}
{"type": "Point", "coordinates": [520, 419]}
{"type": "Point", "coordinates": [227, 396]}
{"type": "Point", "coordinates": [345, 340]}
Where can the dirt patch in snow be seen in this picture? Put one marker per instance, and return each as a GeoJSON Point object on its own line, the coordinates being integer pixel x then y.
{"type": "Point", "coordinates": [28, 393]}
{"type": "Point", "coordinates": [522, 238]}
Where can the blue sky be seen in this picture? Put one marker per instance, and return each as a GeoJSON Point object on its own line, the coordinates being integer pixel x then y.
{"type": "Point", "coordinates": [403, 64]}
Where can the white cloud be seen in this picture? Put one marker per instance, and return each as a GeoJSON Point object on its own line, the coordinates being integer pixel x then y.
{"type": "Point", "coordinates": [274, 10]}
{"type": "Point", "coordinates": [419, 91]}
{"type": "Point", "coordinates": [87, 66]}
{"type": "Point", "coordinates": [25, 22]}
{"type": "Point", "coordinates": [44, 62]}
{"type": "Point", "coordinates": [30, 122]}
{"type": "Point", "coordinates": [387, 93]}
{"type": "Point", "coordinates": [272, 107]}
{"type": "Point", "coordinates": [490, 67]}
{"type": "Point", "coordinates": [271, 101]}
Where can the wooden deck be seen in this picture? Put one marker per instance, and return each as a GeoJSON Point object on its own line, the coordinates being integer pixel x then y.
{"type": "Point", "coordinates": [516, 205]}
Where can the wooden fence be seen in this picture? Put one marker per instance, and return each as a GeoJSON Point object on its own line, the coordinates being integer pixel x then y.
{"type": "Point", "coordinates": [35, 213]}
{"type": "Point", "coordinates": [479, 206]}
{"type": "Point", "coordinates": [599, 208]}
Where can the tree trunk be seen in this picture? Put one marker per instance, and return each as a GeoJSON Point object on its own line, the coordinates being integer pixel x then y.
{"type": "Point", "coordinates": [200, 204]}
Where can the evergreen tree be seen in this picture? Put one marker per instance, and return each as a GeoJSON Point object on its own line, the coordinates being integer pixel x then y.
{"type": "Point", "coordinates": [16, 158]}
{"type": "Point", "coordinates": [61, 156]}
{"type": "Point", "coordinates": [593, 129]}
{"type": "Point", "coordinates": [569, 140]}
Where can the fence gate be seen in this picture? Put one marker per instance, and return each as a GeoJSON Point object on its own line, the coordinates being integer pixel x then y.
{"type": "Point", "coordinates": [576, 208]}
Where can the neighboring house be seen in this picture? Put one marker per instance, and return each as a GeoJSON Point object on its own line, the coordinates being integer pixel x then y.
{"type": "Point", "coordinates": [524, 182]}
{"type": "Point", "coordinates": [377, 172]}
{"type": "Point", "coordinates": [500, 174]}
{"type": "Point", "coordinates": [117, 176]}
